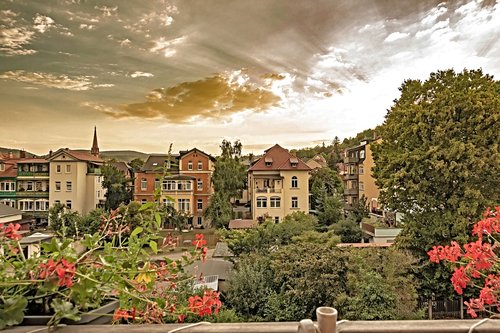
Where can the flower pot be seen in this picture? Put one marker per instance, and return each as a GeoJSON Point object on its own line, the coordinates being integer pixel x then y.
{"type": "Point", "coordinates": [97, 316]}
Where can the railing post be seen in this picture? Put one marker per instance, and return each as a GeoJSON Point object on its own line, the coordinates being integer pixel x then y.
{"type": "Point", "coordinates": [327, 322]}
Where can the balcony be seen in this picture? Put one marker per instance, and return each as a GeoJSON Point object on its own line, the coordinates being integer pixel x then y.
{"type": "Point", "coordinates": [351, 191]}
{"type": "Point", "coordinates": [7, 194]}
{"type": "Point", "coordinates": [348, 159]}
{"type": "Point", "coordinates": [268, 190]}
{"type": "Point", "coordinates": [351, 176]}
{"type": "Point", "coordinates": [32, 173]}
{"type": "Point", "coordinates": [32, 194]}
{"type": "Point", "coordinates": [93, 171]}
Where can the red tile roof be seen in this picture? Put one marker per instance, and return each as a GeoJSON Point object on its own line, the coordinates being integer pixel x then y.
{"type": "Point", "coordinates": [10, 168]}
{"type": "Point", "coordinates": [280, 159]}
{"type": "Point", "coordinates": [242, 224]}
{"type": "Point", "coordinates": [78, 155]}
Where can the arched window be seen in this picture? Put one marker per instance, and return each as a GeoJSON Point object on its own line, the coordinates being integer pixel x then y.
{"type": "Point", "coordinates": [295, 182]}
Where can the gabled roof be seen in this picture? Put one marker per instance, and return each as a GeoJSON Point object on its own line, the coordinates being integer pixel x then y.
{"type": "Point", "coordinates": [10, 170]}
{"type": "Point", "coordinates": [278, 158]}
{"type": "Point", "coordinates": [185, 152]}
{"type": "Point", "coordinates": [120, 166]}
{"type": "Point", "coordinates": [81, 156]}
{"type": "Point", "coordinates": [32, 160]}
{"type": "Point", "coordinates": [157, 161]}
{"type": "Point", "coordinates": [8, 211]}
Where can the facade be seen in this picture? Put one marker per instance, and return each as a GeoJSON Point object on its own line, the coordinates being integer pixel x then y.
{"type": "Point", "coordinates": [32, 193]}
{"type": "Point", "coordinates": [278, 185]}
{"type": "Point", "coordinates": [8, 181]}
{"type": "Point", "coordinates": [76, 180]}
{"type": "Point", "coordinates": [358, 179]}
{"type": "Point", "coordinates": [186, 185]}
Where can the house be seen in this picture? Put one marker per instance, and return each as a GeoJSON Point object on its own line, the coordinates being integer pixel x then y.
{"type": "Point", "coordinates": [357, 177]}
{"type": "Point", "coordinates": [278, 185]}
{"type": "Point", "coordinates": [75, 178]}
{"type": "Point", "coordinates": [8, 176]}
{"type": "Point", "coordinates": [316, 162]}
{"type": "Point", "coordinates": [183, 180]}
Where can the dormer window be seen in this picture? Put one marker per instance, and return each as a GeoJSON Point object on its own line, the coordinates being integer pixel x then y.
{"type": "Point", "coordinates": [268, 161]}
{"type": "Point", "coordinates": [2, 167]}
{"type": "Point", "coordinates": [294, 162]}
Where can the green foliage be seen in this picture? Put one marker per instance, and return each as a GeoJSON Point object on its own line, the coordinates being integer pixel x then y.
{"type": "Point", "coordinates": [268, 235]}
{"type": "Point", "coordinates": [439, 161]}
{"type": "Point", "coordinates": [229, 179]}
{"type": "Point", "coordinates": [116, 185]}
{"type": "Point", "coordinates": [326, 195]}
{"type": "Point", "coordinates": [348, 230]}
{"type": "Point", "coordinates": [136, 164]}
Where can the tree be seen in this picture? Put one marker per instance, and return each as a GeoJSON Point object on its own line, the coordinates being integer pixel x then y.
{"type": "Point", "coordinates": [228, 179]}
{"type": "Point", "coordinates": [136, 164]}
{"type": "Point", "coordinates": [115, 183]}
{"type": "Point", "coordinates": [348, 230]}
{"type": "Point", "coordinates": [439, 161]}
{"type": "Point", "coordinates": [326, 198]}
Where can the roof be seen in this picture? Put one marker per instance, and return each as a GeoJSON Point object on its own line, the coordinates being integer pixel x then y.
{"type": "Point", "coordinates": [32, 160]}
{"type": "Point", "coordinates": [37, 237]}
{"type": "Point", "coordinates": [219, 267]}
{"type": "Point", "coordinates": [280, 159]}
{"type": "Point", "coordinates": [10, 170]}
{"type": "Point", "coordinates": [8, 211]}
{"type": "Point", "coordinates": [82, 156]}
{"type": "Point", "coordinates": [361, 245]}
{"type": "Point", "coordinates": [121, 166]}
{"type": "Point", "coordinates": [157, 161]}
{"type": "Point", "coordinates": [185, 152]}
{"type": "Point", "coordinates": [242, 224]}
{"type": "Point", "coordinates": [222, 251]}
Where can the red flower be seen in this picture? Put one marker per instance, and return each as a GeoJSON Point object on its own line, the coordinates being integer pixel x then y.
{"type": "Point", "coordinates": [459, 279]}
{"type": "Point", "coordinates": [11, 231]}
{"type": "Point", "coordinates": [180, 318]}
{"type": "Point", "coordinates": [481, 254]}
{"type": "Point", "coordinates": [199, 242]}
{"type": "Point", "coordinates": [63, 270]}
{"type": "Point", "coordinates": [206, 305]}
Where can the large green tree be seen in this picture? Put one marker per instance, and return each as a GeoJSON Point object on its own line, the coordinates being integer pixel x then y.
{"type": "Point", "coordinates": [439, 161]}
{"type": "Point", "coordinates": [326, 195]}
{"type": "Point", "coordinates": [116, 185]}
{"type": "Point", "coordinates": [228, 180]}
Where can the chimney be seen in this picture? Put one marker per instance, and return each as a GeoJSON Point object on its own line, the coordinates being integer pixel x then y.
{"type": "Point", "coordinates": [50, 153]}
{"type": "Point", "coordinates": [22, 153]}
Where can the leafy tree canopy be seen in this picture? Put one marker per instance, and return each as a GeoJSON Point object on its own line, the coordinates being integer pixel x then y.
{"type": "Point", "coordinates": [115, 183]}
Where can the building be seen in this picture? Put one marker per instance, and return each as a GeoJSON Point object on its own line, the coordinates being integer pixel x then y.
{"type": "Point", "coordinates": [75, 178]}
{"type": "Point", "coordinates": [8, 179]}
{"type": "Point", "coordinates": [316, 162]}
{"type": "Point", "coordinates": [278, 185]}
{"type": "Point", "coordinates": [357, 177]}
{"type": "Point", "coordinates": [182, 180]}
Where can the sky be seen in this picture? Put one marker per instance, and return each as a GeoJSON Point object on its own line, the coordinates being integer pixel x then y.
{"type": "Point", "coordinates": [194, 72]}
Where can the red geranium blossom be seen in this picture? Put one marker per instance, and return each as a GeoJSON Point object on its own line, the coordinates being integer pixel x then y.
{"type": "Point", "coordinates": [62, 269]}
{"type": "Point", "coordinates": [11, 231]}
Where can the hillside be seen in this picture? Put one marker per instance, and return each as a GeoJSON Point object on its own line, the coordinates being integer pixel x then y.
{"type": "Point", "coordinates": [119, 155]}
{"type": "Point", "coordinates": [15, 152]}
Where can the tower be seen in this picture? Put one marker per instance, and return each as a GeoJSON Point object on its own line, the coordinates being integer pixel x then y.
{"type": "Point", "coordinates": [95, 148]}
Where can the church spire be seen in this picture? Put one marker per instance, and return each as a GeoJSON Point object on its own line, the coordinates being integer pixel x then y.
{"type": "Point", "coordinates": [95, 148]}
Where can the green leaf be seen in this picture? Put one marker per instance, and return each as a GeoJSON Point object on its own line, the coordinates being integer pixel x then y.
{"type": "Point", "coordinates": [12, 311]}
{"type": "Point", "coordinates": [64, 309]}
{"type": "Point", "coordinates": [136, 231]}
{"type": "Point", "coordinates": [145, 206]}
{"type": "Point", "coordinates": [153, 246]}
{"type": "Point", "coordinates": [158, 219]}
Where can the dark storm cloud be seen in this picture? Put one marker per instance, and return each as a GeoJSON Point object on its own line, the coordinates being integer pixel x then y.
{"type": "Point", "coordinates": [215, 97]}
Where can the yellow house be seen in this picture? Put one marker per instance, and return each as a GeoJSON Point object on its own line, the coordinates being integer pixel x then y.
{"type": "Point", "coordinates": [278, 185]}
{"type": "Point", "coordinates": [76, 180]}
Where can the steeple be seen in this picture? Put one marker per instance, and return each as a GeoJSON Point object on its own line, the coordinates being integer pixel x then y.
{"type": "Point", "coordinates": [95, 148]}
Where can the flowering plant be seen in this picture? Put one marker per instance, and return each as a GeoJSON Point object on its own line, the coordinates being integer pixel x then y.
{"type": "Point", "coordinates": [116, 264]}
{"type": "Point", "coordinates": [476, 264]}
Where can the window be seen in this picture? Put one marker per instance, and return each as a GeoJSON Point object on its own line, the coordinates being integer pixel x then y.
{"type": "Point", "coordinates": [190, 165]}
{"type": "Point", "coordinates": [168, 202]}
{"type": "Point", "coordinates": [361, 169]}
{"type": "Point", "coordinates": [199, 221]}
{"type": "Point", "coordinates": [58, 186]}
{"type": "Point", "coordinates": [295, 182]}
{"type": "Point", "coordinates": [26, 205]}
{"type": "Point", "coordinates": [42, 205]}
{"type": "Point", "coordinates": [200, 165]}
{"type": "Point", "coordinates": [143, 201]}
{"type": "Point", "coordinates": [157, 183]}
{"type": "Point", "coordinates": [68, 204]}
{"type": "Point", "coordinates": [184, 205]}
{"type": "Point", "coordinates": [29, 186]}
{"type": "Point", "coordinates": [295, 202]}
{"type": "Point", "coordinates": [8, 202]}
{"type": "Point", "coordinates": [57, 202]}
{"type": "Point", "coordinates": [199, 204]}
{"type": "Point", "coordinates": [38, 186]}
{"type": "Point", "coordinates": [275, 202]}
{"type": "Point", "coordinates": [68, 186]}
{"type": "Point", "coordinates": [144, 184]}
{"type": "Point", "coordinates": [261, 202]}
{"type": "Point", "coordinates": [58, 168]}
{"type": "Point", "coordinates": [68, 168]}
{"type": "Point", "coordinates": [8, 186]}
{"type": "Point", "coordinates": [98, 194]}
{"type": "Point", "coordinates": [361, 186]}
{"type": "Point", "coordinates": [2, 167]}
{"type": "Point", "coordinates": [200, 184]}
{"type": "Point", "coordinates": [276, 219]}
{"type": "Point", "coordinates": [361, 154]}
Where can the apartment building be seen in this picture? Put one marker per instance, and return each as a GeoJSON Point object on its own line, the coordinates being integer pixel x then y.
{"type": "Point", "coordinates": [8, 181]}
{"type": "Point", "coordinates": [357, 177]}
{"type": "Point", "coordinates": [278, 185]}
{"type": "Point", "coordinates": [186, 185]}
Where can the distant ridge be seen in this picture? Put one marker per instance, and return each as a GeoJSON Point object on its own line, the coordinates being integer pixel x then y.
{"type": "Point", "coordinates": [16, 152]}
{"type": "Point", "coordinates": [119, 155]}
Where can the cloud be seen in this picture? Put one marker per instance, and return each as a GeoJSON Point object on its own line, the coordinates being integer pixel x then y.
{"type": "Point", "coordinates": [87, 26]}
{"type": "Point", "coordinates": [75, 83]}
{"type": "Point", "coordinates": [8, 17]}
{"type": "Point", "coordinates": [166, 47]}
{"type": "Point", "coordinates": [13, 41]}
{"type": "Point", "coordinates": [126, 42]}
{"type": "Point", "coordinates": [107, 11]}
{"type": "Point", "coordinates": [216, 97]}
{"type": "Point", "coordinates": [396, 36]}
{"type": "Point", "coordinates": [42, 23]}
{"type": "Point", "coordinates": [141, 74]}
